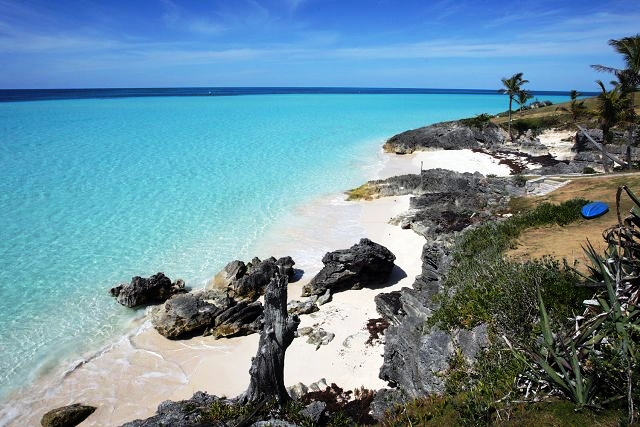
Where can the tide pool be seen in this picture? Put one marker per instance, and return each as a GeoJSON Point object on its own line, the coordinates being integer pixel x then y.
{"type": "Point", "coordinates": [95, 191]}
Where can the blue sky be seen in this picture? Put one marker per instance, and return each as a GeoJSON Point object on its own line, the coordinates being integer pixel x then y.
{"type": "Point", "coordinates": [375, 43]}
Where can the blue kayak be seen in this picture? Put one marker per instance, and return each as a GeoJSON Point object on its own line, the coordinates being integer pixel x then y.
{"type": "Point", "coordinates": [594, 209]}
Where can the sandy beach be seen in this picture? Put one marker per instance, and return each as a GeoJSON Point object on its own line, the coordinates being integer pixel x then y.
{"type": "Point", "coordinates": [128, 379]}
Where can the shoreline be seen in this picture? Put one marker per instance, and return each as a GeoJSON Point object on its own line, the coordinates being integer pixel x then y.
{"type": "Point", "coordinates": [143, 363]}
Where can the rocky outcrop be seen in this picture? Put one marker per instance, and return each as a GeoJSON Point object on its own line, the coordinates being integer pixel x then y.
{"type": "Point", "coordinates": [446, 201]}
{"type": "Point", "coordinates": [67, 416]}
{"type": "Point", "coordinates": [210, 312]}
{"type": "Point", "coordinates": [249, 280]}
{"type": "Point", "coordinates": [416, 356]}
{"type": "Point", "coordinates": [153, 290]}
{"type": "Point", "coordinates": [363, 265]}
{"type": "Point", "coordinates": [447, 136]}
{"type": "Point", "coordinates": [185, 413]}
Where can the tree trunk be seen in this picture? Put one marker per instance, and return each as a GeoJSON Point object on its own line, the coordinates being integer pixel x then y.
{"type": "Point", "coordinates": [278, 331]}
{"type": "Point", "coordinates": [602, 148]}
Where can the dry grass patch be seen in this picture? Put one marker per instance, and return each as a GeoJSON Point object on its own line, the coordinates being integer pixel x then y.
{"type": "Point", "coordinates": [566, 241]}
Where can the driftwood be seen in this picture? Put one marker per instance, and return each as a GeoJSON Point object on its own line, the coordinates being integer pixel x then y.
{"type": "Point", "coordinates": [267, 368]}
{"type": "Point", "coordinates": [601, 148]}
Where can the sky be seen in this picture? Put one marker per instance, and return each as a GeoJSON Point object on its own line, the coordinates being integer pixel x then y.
{"type": "Point", "coordinates": [460, 44]}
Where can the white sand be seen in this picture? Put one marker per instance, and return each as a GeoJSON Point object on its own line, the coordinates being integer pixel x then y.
{"type": "Point", "coordinates": [128, 380]}
{"type": "Point", "coordinates": [559, 143]}
{"type": "Point", "coordinates": [455, 160]}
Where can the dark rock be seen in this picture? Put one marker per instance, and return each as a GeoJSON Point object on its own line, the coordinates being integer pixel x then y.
{"type": "Point", "coordinates": [67, 416]}
{"type": "Point", "coordinates": [364, 264]}
{"type": "Point", "coordinates": [302, 307]}
{"type": "Point", "coordinates": [313, 412]}
{"type": "Point", "coordinates": [232, 271]}
{"type": "Point", "coordinates": [248, 281]}
{"type": "Point", "coordinates": [416, 357]}
{"type": "Point", "coordinates": [447, 135]}
{"type": "Point", "coordinates": [155, 289]}
{"type": "Point", "coordinates": [285, 264]}
{"type": "Point", "coordinates": [244, 318]}
{"type": "Point", "coordinates": [386, 401]}
{"type": "Point", "coordinates": [190, 312]}
{"type": "Point", "coordinates": [389, 306]}
{"type": "Point", "coordinates": [324, 298]}
{"type": "Point", "coordinates": [185, 413]}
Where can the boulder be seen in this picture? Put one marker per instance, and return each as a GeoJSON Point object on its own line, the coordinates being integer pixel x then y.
{"type": "Point", "coordinates": [232, 271]}
{"type": "Point", "coordinates": [191, 312]}
{"type": "Point", "coordinates": [67, 416]}
{"type": "Point", "coordinates": [248, 281]}
{"type": "Point", "coordinates": [185, 413]}
{"type": "Point", "coordinates": [243, 318]}
{"type": "Point", "coordinates": [363, 265]}
{"type": "Point", "coordinates": [155, 289]}
{"type": "Point", "coordinates": [307, 306]}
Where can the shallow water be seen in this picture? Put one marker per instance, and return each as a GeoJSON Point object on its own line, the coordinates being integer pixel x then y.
{"type": "Point", "coordinates": [95, 191]}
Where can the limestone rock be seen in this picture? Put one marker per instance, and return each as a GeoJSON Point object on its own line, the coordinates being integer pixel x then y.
{"type": "Point", "coordinates": [248, 281]}
{"type": "Point", "coordinates": [67, 416]}
{"type": "Point", "coordinates": [189, 313]}
{"type": "Point", "coordinates": [447, 135]}
{"type": "Point", "coordinates": [415, 357]}
{"type": "Point", "coordinates": [155, 289]}
{"type": "Point", "coordinates": [317, 336]}
{"type": "Point", "coordinates": [185, 413]}
{"type": "Point", "coordinates": [363, 265]}
{"type": "Point", "coordinates": [243, 318]}
{"type": "Point", "coordinates": [232, 271]}
{"type": "Point", "coordinates": [313, 412]}
{"type": "Point", "coordinates": [302, 307]}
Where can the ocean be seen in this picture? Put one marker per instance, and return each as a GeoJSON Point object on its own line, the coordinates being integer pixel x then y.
{"type": "Point", "coordinates": [98, 186]}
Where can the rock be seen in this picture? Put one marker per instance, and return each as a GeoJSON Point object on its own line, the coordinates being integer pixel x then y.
{"type": "Point", "coordinates": [232, 271]}
{"type": "Point", "coordinates": [185, 413]}
{"type": "Point", "coordinates": [364, 264]}
{"type": "Point", "coordinates": [243, 318]}
{"type": "Point", "coordinates": [191, 312]}
{"type": "Point", "coordinates": [320, 385]}
{"type": "Point", "coordinates": [155, 289]}
{"type": "Point", "coordinates": [416, 357]}
{"type": "Point", "coordinates": [387, 400]}
{"type": "Point", "coordinates": [67, 416]}
{"type": "Point", "coordinates": [316, 337]}
{"type": "Point", "coordinates": [297, 390]}
{"type": "Point", "coordinates": [447, 135]}
{"type": "Point", "coordinates": [248, 281]}
{"type": "Point", "coordinates": [313, 412]}
{"type": "Point", "coordinates": [302, 307]}
{"type": "Point", "coordinates": [324, 298]}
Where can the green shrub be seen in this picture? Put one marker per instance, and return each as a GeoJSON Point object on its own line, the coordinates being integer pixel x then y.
{"type": "Point", "coordinates": [535, 124]}
{"type": "Point", "coordinates": [480, 121]}
{"type": "Point", "coordinates": [588, 170]}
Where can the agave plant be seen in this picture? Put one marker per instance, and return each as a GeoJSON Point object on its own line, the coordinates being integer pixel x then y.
{"type": "Point", "coordinates": [592, 359]}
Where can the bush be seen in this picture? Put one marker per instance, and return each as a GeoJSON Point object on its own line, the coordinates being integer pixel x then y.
{"type": "Point", "coordinates": [588, 170]}
{"type": "Point", "coordinates": [480, 121]}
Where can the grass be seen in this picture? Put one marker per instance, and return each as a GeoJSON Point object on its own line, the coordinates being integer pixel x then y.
{"type": "Point", "coordinates": [364, 192]}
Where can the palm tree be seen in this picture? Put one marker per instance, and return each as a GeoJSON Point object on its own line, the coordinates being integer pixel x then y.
{"type": "Point", "coordinates": [512, 87]}
{"type": "Point", "coordinates": [612, 108]}
{"type": "Point", "coordinates": [576, 108]}
{"type": "Point", "coordinates": [523, 97]}
{"type": "Point", "coordinates": [629, 48]}
{"type": "Point", "coordinates": [629, 77]}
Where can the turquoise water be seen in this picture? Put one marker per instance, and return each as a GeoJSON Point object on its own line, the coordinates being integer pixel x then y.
{"type": "Point", "coordinates": [95, 191]}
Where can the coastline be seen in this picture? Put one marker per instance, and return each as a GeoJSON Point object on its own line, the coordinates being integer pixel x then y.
{"type": "Point", "coordinates": [129, 378]}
